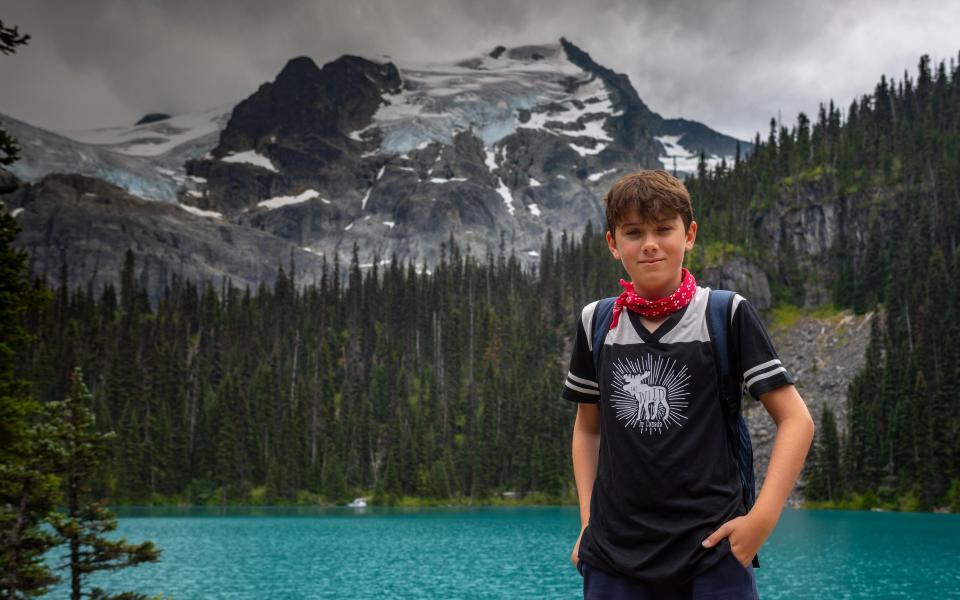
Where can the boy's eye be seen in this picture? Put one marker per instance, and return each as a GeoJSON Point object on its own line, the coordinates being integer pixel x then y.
{"type": "Point", "coordinates": [665, 228]}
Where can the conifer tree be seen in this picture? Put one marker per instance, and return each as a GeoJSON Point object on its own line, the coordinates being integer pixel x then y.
{"type": "Point", "coordinates": [28, 489]}
{"type": "Point", "coordinates": [824, 482]}
{"type": "Point", "coordinates": [87, 518]}
{"type": "Point", "coordinates": [10, 38]}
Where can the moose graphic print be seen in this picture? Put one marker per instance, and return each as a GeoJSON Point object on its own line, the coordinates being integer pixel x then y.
{"type": "Point", "coordinates": [649, 393]}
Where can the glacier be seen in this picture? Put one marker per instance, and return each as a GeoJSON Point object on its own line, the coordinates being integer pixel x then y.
{"type": "Point", "coordinates": [488, 95]}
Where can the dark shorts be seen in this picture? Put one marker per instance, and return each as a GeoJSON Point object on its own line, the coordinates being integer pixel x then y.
{"type": "Point", "coordinates": [726, 580]}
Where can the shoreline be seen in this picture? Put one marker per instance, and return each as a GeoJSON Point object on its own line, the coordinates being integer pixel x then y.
{"type": "Point", "coordinates": [538, 501]}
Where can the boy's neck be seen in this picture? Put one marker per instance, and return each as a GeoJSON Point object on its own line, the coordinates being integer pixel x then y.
{"type": "Point", "coordinates": [660, 293]}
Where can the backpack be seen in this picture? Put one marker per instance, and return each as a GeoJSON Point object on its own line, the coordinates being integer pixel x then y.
{"type": "Point", "coordinates": [719, 305]}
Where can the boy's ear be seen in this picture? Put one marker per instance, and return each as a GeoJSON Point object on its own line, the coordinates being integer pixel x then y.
{"type": "Point", "coordinates": [691, 235]}
{"type": "Point", "coordinates": [612, 245]}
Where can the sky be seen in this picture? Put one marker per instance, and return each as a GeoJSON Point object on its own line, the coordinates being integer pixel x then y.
{"type": "Point", "coordinates": [731, 65]}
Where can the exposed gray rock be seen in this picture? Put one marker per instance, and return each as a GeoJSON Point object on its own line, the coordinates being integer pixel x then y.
{"type": "Point", "coordinates": [156, 177]}
{"type": "Point", "coordinates": [89, 224]}
{"type": "Point", "coordinates": [742, 276]}
{"type": "Point", "coordinates": [152, 118]}
{"type": "Point", "coordinates": [823, 354]}
{"type": "Point", "coordinates": [647, 123]}
{"type": "Point", "coordinates": [802, 229]}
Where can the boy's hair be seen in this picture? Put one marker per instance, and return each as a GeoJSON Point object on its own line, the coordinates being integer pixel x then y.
{"type": "Point", "coordinates": [655, 194]}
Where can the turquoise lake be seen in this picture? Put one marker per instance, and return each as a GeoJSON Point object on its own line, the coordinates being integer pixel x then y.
{"type": "Point", "coordinates": [258, 553]}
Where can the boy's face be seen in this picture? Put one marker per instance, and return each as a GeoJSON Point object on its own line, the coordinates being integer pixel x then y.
{"type": "Point", "coordinates": [652, 251]}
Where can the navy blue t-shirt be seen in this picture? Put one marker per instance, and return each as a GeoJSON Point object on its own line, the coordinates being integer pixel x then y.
{"type": "Point", "coordinates": [666, 477]}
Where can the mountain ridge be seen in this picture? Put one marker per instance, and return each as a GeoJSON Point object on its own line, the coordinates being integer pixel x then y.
{"type": "Point", "coordinates": [390, 155]}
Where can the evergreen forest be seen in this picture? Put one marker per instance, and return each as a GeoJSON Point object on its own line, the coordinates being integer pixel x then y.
{"type": "Point", "coordinates": [443, 386]}
{"type": "Point", "coordinates": [890, 167]}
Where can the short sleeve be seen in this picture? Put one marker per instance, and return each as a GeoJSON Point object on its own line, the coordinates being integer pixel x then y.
{"type": "Point", "coordinates": [581, 383]}
{"type": "Point", "coordinates": [760, 366]}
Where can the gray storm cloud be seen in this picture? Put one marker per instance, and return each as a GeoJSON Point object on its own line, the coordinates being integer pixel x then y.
{"type": "Point", "coordinates": [731, 65]}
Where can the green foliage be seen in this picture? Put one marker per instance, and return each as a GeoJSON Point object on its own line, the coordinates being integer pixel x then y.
{"type": "Point", "coordinates": [824, 480]}
{"type": "Point", "coordinates": [29, 486]}
{"type": "Point", "coordinates": [87, 518]}
{"type": "Point", "coordinates": [854, 501]}
{"type": "Point", "coordinates": [443, 386]}
{"type": "Point", "coordinates": [953, 496]}
{"type": "Point", "coordinates": [10, 38]}
{"type": "Point", "coordinates": [258, 496]}
{"type": "Point", "coordinates": [711, 254]}
{"type": "Point", "coordinates": [436, 386]}
{"type": "Point", "coordinates": [883, 182]}
{"type": "Point", "coordinates": [785, 316]}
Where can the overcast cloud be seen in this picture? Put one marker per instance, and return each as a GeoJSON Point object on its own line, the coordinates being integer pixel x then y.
{"type": "Point", "coordinates": [732, 65]}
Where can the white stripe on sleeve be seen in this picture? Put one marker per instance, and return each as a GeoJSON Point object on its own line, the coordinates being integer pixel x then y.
{"type": "Point", "coordinates": [581, 389]}
{"type": "Point", "coordinates": [765, 375]}
{"type": "Point", "coordinates": [582, 380]}
{"type": "Point", "coordinates": [759, 367]}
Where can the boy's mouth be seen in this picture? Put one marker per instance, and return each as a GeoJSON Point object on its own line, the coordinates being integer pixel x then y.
{"type": "Point", "coordinates": [650, 262]}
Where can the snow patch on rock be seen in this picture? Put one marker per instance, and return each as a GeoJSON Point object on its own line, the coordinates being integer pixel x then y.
{"type": "Point", "coordinates": [584, 151]}
{"type": "Point", "coordinates": [210, 214]}
{"type": "Point", "coordinates": [251, 157]}
{"type": "Point", "coordinates": [600, 175]}
{"type": "Point", "coordinates": [681, 158]}
{"type": "Point", "coordinates": [504, 192]}
{"type": "Point", "coordinates": [278, 201]}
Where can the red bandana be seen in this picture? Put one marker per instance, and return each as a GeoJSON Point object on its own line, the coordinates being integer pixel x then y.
{"type": "Point", "coordinates": [653, 309]}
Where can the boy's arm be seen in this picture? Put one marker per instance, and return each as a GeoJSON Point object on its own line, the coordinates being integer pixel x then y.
{"type": "Point", "coordinates": [586, 451]}
{"type": "Point", "coordinates": [794, 436]}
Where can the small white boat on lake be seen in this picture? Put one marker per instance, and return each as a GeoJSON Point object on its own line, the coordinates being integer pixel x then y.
{"type": "Point", "coordinates": [358, 503]}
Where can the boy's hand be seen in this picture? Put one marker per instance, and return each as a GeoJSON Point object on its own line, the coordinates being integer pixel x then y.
{"type": "Point", "coordinates": [575, 555]}
{"type": "Point", "coordinates": [746, 534]}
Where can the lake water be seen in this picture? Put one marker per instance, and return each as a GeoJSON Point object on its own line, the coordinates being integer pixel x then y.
{"type": "Point", "coordinates": [259, 553]}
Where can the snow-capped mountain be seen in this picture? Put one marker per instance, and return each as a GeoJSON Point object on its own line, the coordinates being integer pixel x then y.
{"type": "Point", "coordinates": [394, 155]}
{"type": "Point", "coordinates": [146, 160]}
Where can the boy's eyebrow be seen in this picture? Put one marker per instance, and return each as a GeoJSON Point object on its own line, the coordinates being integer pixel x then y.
{"type": "Point", "coordinates": [656, 221]}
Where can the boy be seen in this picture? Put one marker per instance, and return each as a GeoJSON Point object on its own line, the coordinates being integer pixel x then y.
{"type": "Point", "coordinates": [661, 509]}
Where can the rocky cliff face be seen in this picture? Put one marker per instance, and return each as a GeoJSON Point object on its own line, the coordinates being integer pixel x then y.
{"type": "Point", "coordinates": [801, 232]}
{"type": "Point", "coordinates": [88, 224]}
{"type": "Point", "coordinates": [823, 354]}
{"type": "Point", "coordinates": [742, 276]}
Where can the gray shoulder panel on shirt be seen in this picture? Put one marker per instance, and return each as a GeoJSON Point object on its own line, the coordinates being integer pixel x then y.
{"type": "Point", "coordinates": [623, 333]}
{"type": "Point", "coordinates": [586, 317]}
{"type": "Point", "coordinates": [693, 325]}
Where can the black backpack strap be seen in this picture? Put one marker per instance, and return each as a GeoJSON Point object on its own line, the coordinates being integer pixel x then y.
{"type": "Point", "coordinates": [719, 306]}
{"type": "Point", "coordinates": [719, 314]}
{"type": "Point", "coordinates": [602, 316]}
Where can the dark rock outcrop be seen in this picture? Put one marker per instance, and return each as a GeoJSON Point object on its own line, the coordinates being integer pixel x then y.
{"type": "Point", "coordinates": [739, 274]}
{"type": "Point", "coordinates": [642, 123]}
{"type": "Point", "coordinates": [89, 224]}
{"type": "Point", "coordinates": [152, 118]}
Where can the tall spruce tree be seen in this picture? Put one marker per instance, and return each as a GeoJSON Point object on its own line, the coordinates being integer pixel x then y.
{"type": "Point", "coordinates": [87, 517]}
{"type": "Point", "coordinates": [28, 488]}
{"type": "Point", "coordinates": [10, 38]}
